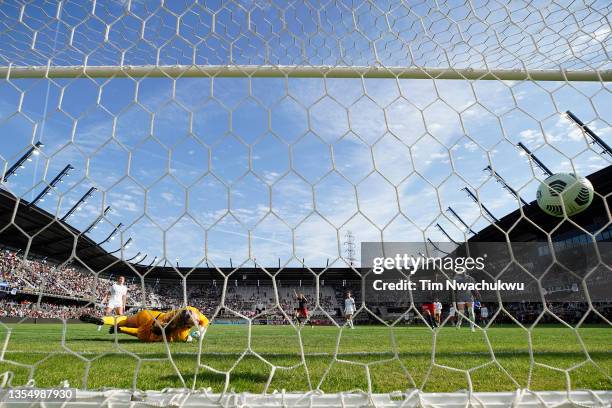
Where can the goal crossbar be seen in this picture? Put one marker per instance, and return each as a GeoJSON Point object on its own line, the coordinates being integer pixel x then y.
{"type": "Point", "coordinates": [295, 71]}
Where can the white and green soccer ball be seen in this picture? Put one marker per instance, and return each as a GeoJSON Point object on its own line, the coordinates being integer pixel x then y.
{"type": "Point", "coordinates": [197, 332]}
{"type": "Point", "coordinates": [567, 190]}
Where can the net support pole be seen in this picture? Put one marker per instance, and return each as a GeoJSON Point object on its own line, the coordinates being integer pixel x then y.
{"type": "Point", "coordinates": [295, 71]}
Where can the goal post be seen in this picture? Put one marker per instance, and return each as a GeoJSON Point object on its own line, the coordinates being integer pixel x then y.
{"type": "Point", "coordinates": [216, 154]}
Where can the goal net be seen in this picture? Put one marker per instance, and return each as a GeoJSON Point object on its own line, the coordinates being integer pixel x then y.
{"type": "Point", "coordinates": [251, 158]}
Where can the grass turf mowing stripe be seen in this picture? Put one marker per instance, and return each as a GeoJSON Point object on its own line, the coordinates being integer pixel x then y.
{"type": "Point", "coordinates": [104, 364]}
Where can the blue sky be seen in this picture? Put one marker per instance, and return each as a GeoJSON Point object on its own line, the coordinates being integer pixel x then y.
{"type": "Point", "coordinates": [242, 168]}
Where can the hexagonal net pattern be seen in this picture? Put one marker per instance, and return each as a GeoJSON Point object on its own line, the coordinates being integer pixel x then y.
{"type": "Point", "coordinates": [229, 155]}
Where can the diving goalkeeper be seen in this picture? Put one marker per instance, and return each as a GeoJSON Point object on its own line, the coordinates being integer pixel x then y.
{"type": "Point", "coordinates": [151, 325]}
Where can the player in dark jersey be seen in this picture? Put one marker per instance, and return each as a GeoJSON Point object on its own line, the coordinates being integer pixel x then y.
{"type": "Point", "coordinates": [301, 311]}
{"type": "Point", "coordinates": [428, 309]}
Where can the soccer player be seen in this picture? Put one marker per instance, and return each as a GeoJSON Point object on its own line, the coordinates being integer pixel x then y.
{"type": "Point", "coordinates": [349, 309]}
{"type": "Point", "coordinates": [437, 311]}
{"type": "Point", "coordinates": [116, 298]}
{"type": "Point", "coordinates": [465, 298]}
{"type": "Point", "coordinates": [428, 312]}
{"type": "Point", "coordinates": [301, 312]}
{"type": "Point", "coordinates": [151, 325]}
{"type": "Point", "coordinates": [484, 314]}
{"type": "Point", "coordinates": [452, 314]}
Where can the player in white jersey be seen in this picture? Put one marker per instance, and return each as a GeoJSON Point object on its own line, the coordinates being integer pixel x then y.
{"type": "Point", "coordinates": [465, 298]}
{"type": "Point", "coordinates": [116, 298]}
{"type": "Point", "coordinates": [349, 309]}
{"type": "Point", "coordinates": [484, 314]}
{"type": "Point", "coordinates": [437, 311]}
{"type": "Point", "coordinates": [452, 314]}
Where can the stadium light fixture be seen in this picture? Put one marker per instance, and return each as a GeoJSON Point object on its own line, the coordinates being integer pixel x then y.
{"type": "Point", "coordinates": [112, 234]}
{"type": "Point", "coordinates": [82, 201]}
{"type": "Point", "coordinates": [134, 257]}
{"type": "Point", "coordinates": [595, 139]}
{"type": "Point", "coordinates": [437, 248]}
{"type": "Point", "coordinates": [475, 199]}
{"type": "Point", "coordinates": [535, 159]}
{"type": "Point", "coordinates": [52, 184]}
{"type": "Point", "coordinates": [94, 224]}
{"type": "Point", "coordinates": [450, 209]}
{"type": "Point", "coordinates": [152, 262]}
{"type": "Point", "coordinates": [504, 184]}
{"type": "Point", "coordinates": [443, 231]}
{"type": "Point", "coordinates": [115, 251]}
{"type": "Point", "coordinates": [19, 164]}
{"type": "Point", "coordinates": [127, 244]}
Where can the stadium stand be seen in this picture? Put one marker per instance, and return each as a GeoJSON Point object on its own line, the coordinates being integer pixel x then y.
{"type": "Point", "coordinates": [67, 291]}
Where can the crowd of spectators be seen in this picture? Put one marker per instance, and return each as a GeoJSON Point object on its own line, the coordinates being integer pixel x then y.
{"type": "Point", "coordinates": [67, 288]}
{"type": "Point", "coordinates": [44, 310]}
{"type": "Point", "coordinates": [36, 276]}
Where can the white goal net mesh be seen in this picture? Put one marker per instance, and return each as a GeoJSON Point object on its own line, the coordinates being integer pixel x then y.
{"type": "Point", "coordinates": [228, 155]}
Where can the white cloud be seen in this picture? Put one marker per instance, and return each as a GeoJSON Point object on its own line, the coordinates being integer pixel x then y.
{"type": "Point", "coordinates": [169, 197]}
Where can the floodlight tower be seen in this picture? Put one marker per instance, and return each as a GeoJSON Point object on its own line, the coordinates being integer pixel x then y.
{"type": "Point", "coordinates": [34, 150]}
{"type": "Point", "coordinates": [349, 247]}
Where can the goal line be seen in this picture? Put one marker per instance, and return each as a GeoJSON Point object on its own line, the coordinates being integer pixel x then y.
{"type": "Point", "coordinates": [405, 399]}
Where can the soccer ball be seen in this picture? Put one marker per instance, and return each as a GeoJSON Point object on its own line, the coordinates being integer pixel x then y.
{"type": "Point", "coordinates": [567, 190]}
{"type": "Point", "coordinates": [196, 333]}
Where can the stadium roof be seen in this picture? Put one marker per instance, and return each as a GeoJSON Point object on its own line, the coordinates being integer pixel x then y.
{"type": "Point", "coordinates": [28, 226]}
{"type": "Point", "coordinates": [24, 226]}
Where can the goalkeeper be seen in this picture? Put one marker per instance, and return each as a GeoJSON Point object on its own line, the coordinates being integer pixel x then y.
{"type": "Point", "coordinates": [151, 325]}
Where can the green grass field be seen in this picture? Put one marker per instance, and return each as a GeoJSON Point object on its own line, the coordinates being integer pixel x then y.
{"type": "Point", "coordinates": [92, 359]}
